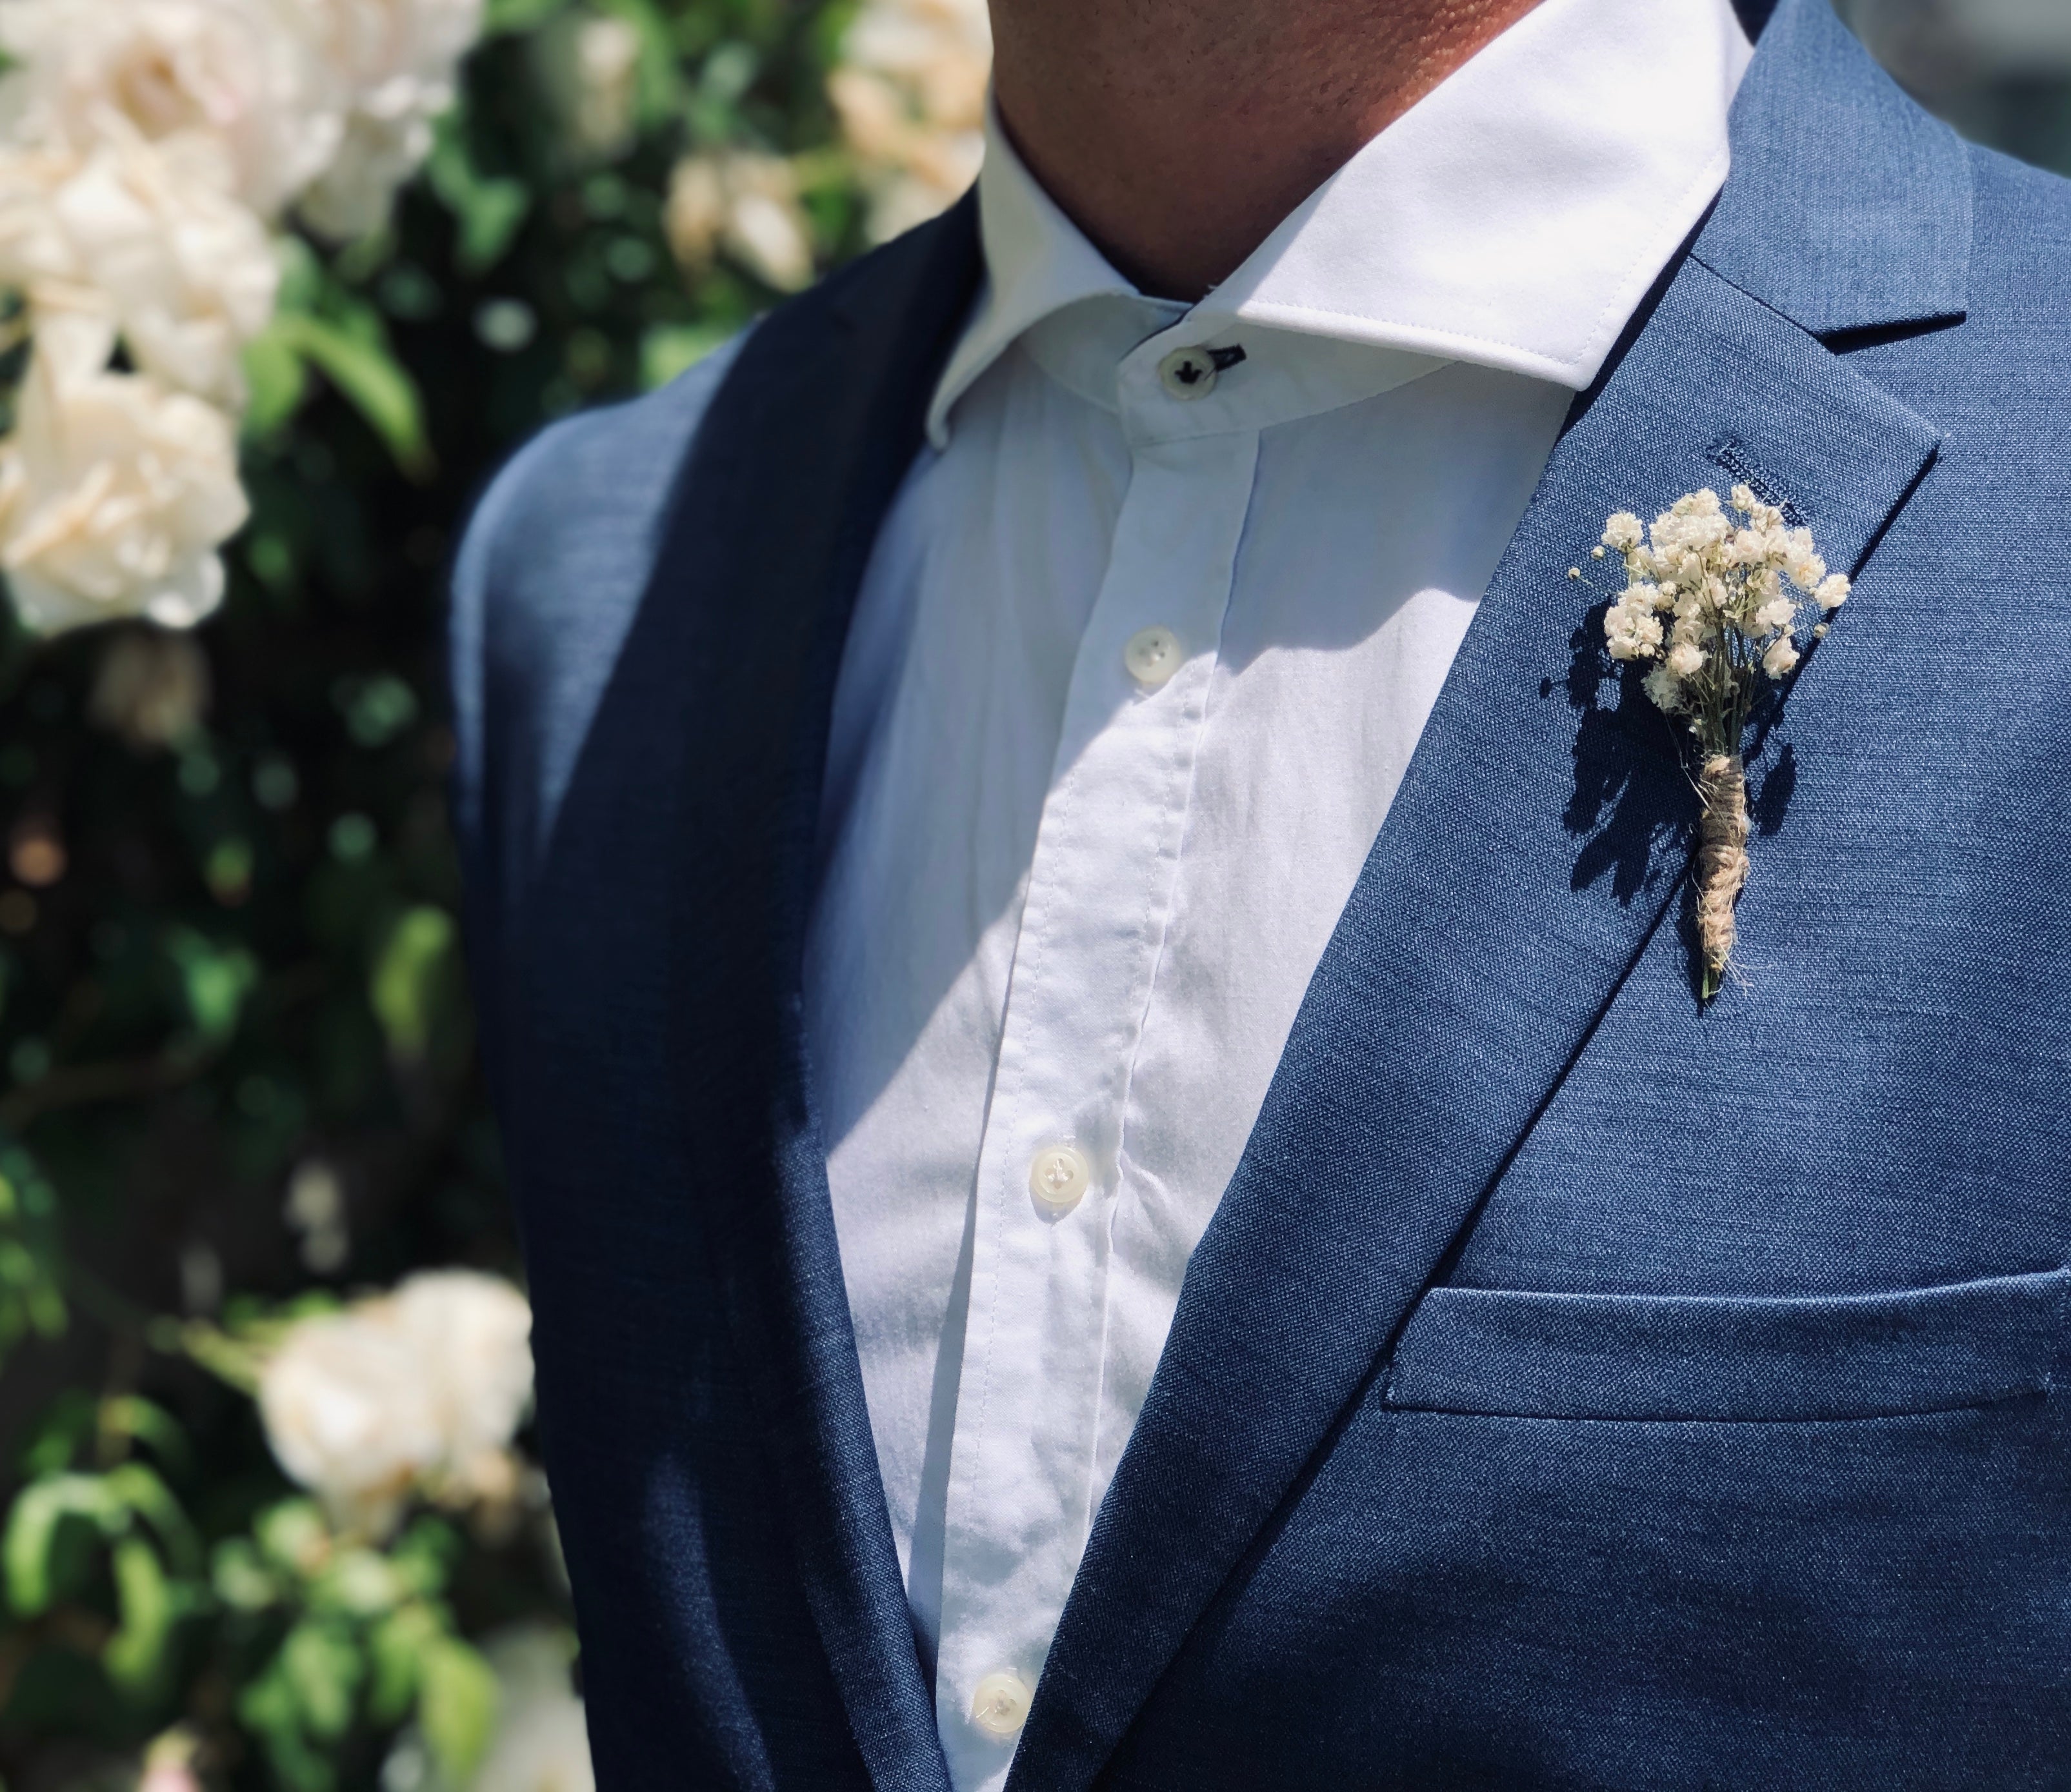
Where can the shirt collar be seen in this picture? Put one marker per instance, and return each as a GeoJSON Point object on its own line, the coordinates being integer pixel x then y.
{"type": "Point", "coordinates": [1514, 217]}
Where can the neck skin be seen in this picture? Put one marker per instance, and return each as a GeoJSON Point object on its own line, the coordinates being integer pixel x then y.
{"type": "Point", "coordinates": [1177, 133]}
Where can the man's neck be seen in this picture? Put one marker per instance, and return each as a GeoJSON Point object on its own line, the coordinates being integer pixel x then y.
{"type": "Point", "coordinates": [1177, 133]}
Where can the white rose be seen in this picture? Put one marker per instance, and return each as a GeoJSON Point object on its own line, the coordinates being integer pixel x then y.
{"type": "Point", "coordinates": [910, 95]}
{"type": "Point", "coordinates": [344, 1406]}
{"type": "Point", "coordinates": [472, 1335]}
{"type": "Point", "coordinates": [541, 1743]}
{"type": "Point", "coordinates": [394, 63]}
{"type": "Point", "coordinates": [746, 203]}
{"type": "Point", "coordinates": [235, 71]}
{"type": "Point", "coordinates": [147, 236]}
{"type": "Point", "coordinates": [115, 494]}
{"type": "Point", "coordinates": [591, 66]}
{"type": "Point", "coordinates": [419, 1391]}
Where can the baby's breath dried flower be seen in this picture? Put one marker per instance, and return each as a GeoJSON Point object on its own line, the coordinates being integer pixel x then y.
{"type": "Point", "coordinates": [1633, 632]}
{"type": "Point", "coordinates": [1664, 688]}
{"type": "Point", "coordinates": [1726, 574]}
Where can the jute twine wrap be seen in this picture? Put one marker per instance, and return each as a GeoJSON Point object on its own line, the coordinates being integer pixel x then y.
{"type": "Point", "coordinates": [1722, 858]}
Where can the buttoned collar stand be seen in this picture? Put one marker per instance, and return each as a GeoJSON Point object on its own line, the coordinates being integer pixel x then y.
{"type": "Point", "coordinates": [1513, 219]}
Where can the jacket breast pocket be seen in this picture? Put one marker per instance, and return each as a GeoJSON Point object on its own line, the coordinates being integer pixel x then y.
{"type": "Point", "coordinates": [1516, 1354]}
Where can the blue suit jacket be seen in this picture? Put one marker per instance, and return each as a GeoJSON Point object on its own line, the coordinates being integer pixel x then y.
{"type": "Point", "coordinates": [1577, 1386]}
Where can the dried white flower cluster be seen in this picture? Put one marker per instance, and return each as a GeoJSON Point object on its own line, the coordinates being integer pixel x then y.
{"type": "Point", "coordinates": [147, 150]}
{"type": "Point", "coordinates": [416, 1393]}
{"type": "Point", "coordinates": [910, 95]}
{"type": "Point", "coordinates": [1712, 600]}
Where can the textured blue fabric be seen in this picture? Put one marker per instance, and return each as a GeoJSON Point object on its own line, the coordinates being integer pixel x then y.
{"type": "Point", "coordinates": [1577, 1386]}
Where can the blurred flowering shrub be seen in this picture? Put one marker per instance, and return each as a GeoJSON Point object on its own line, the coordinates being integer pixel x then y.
{"type": "Point", "coordinates": [280, 282]}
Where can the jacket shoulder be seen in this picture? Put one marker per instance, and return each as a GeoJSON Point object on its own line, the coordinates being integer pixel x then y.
{"type": "Point", "coordinates": [551, 573]}
{"type": "Point", "coordinates": [2021, 256]}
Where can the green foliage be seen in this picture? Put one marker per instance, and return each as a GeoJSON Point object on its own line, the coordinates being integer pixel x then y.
{"type": "Point", "coordinates": [246, 958]}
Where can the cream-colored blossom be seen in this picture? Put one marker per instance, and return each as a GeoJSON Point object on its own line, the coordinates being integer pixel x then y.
{"type": "Point", "coordinates": [1663, 689]}
{"type": "Point", "coordinates": [392, 66]}
{"type": "Point", "coordinates": [115, 494]}
{"type": "Point", "coordinates": [234, 72]}
{"type": "Point", "coordinates": [1778, 613]}
{"type": "Point", "coordinates": [746, 204]}
{"type": "Point", "coordinates": [1686, 659]}
{"type": "Point", "coordinates": [1623, 532]}
{"type": "Point", "coordinates": [1632, 631]}
{"type": "Point", "coordinates": [418, 1392]}
{"type": "Point", "coordinates": [151, 687]}
{"type": "Point", "coordinates": [1833, 592]}
{"type": "Point", "coordinates": [1782, 657]}
{"type": "Point", "coordinates": [910, 95]}
{"type": "Point", "coordinates": [590, 65]}
{"type": "Point", "coordinates": [540, 1743]}
{"type": "Point", "coordinates": [146, 238]}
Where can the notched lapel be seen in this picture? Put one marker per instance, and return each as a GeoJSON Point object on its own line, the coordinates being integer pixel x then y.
{"type": "Point", "coordinates": [1538, 839]}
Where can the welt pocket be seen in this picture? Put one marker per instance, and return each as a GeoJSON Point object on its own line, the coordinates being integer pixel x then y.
{"type": "Point", "coordinates": [1506, 1353]}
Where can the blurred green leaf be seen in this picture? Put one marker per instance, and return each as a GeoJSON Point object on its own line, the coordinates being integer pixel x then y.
{"type": "Point", "coordinates": [136, 1420]}
{"type": "Point", "coordinates": [216, 980]}
{"type": "Point", "coordinates": [413, 962]}
{"type": "Point", "coordinates": [54, 1445]}
{"type": "Point", "coordinates": [135, 1655]}
{"type": "Point", "coordinates": [456, 1707]}
{"type": "Point", "coordinates": [40, 1509]}
{"type": "Point", "coordinates": [397, 1649]}
{"type": "Point", "coordinates": [270, 1706]}
{"type": "Point", "coordinates": [489, 210]}
{"type": "Point", "coordinates": [240, 1579]}
{"type": "Point", "coordinates": [274, 371]}
{"type": "Point", "coordinates": [668, 349]}
{"type": "Point", "coordinates": [138, 1488]}
{"type": "Point", "coordinates": [360, 365]}
{"type": "Point", "coordinates": [324, 1667]}
{"type": "Point", "coordinates": [293, 1536]}
{"type": "Point", "coordinates": [506, 16]}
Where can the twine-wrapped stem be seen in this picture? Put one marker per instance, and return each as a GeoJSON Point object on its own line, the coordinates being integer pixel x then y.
{"type": "Point", "coordinates": [1722, 859]}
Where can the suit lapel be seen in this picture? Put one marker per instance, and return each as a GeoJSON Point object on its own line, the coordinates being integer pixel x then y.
{"type": "Point", "coordinates": [798, 460]}
{"type": "Point", "coordinates": [1537, 842]}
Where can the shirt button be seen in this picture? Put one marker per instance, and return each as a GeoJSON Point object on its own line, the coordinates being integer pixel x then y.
{"type": "Point", "coordinates": [1000, 1705]}
{"type": "Point", "coordinates": [1058, 1178]}
{"type": "Point", "coordinates": [1188, 373]}
{"type": "Point", "coordinates": [1152, 657]}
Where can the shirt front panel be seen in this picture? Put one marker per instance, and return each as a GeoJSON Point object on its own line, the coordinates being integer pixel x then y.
{"type": "Point", "coordinates": [1070, 895]}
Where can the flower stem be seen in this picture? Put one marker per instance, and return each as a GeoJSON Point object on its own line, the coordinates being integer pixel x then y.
{"type": "Point", "coordinates": [1722, 861]}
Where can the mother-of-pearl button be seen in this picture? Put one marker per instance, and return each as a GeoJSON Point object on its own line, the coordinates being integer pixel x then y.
{"type": "Point", "coordinates": [1152, 656]}
{"type": "Point", "coordinates": [1058, 1177]}
{"type": "Point", "coordinates": [1000, 1705]}
{"type": "Point", "coordinates": [1188, 373]}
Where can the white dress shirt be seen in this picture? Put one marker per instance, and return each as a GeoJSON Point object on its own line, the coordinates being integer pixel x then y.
{"type": "Point", "coordinates": [1140, 657]}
